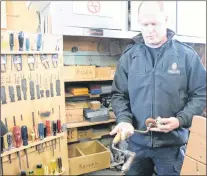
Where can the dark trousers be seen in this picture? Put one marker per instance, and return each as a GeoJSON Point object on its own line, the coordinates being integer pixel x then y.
{"type": "Point", "coordinates": [166, 160]}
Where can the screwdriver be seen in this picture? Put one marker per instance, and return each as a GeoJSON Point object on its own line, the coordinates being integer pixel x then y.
{"type": "Point", "coordinates": [17, 134]}
{"type": "Point", "coordinates": [25, 141]}
{"type": "Point", "coordinates": [48, 128]}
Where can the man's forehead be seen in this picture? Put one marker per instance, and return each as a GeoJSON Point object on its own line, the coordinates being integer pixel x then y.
{"type": "Point", "coordinates": [150, 7]}
{"type": "Point", "coordinates": [151, 11]}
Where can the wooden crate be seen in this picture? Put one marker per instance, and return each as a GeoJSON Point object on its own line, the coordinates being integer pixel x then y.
{"type": "Point", "coordinates": [72, 135]}
{"type": "Point", "coordinates": [74, 113]}
{"type": "Point", "coordinates": [78, 72]}
{"type": "Point", "coordinates": [86, 157]}
{"type": "Point", "coordinates": [103, 72]}
{"type": "Point", "coordinates": [85, 133]}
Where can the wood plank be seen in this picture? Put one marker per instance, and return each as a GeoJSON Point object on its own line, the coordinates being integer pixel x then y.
{"type": "Point", "coordinates": [30, 52]}
{"type": "Point", "coordinates": [32, 144]}
{"type": "Point", "coordinates": [94, 79]}
{"type": "Point", "coordinates": [87, 123]}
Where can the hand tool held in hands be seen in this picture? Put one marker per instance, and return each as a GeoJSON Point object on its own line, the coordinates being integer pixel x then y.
{"type": "Point", "coordinates": [128, 154]}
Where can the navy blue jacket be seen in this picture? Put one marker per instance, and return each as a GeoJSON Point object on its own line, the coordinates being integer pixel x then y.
{"type": "Point", "coordinates": [174, 87]}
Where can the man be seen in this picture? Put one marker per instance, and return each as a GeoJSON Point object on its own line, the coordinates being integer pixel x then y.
{"type": "Point", "coordinates": [157, 76]}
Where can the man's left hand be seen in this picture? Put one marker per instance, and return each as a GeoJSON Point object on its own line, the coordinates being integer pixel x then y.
{"type": "Point", "coordinates": [168, 124]}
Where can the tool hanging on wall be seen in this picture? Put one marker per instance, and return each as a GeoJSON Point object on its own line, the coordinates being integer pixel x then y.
{"type": "Point", "coordinates": [53, 165]}
{"type": "Point", "coordinates": [38, 89]}
{"type": "Point", "coordinates": [25, 141]}
{"type": "Point", "coordinates": [41, 130]}
{"type": "Point", "coordinates": [51, 90]}
{"type": "Point", "coordinates": [3, 63]}
{"type": "Point", "coordinates": [35, 128]}
{"type": "Point", "coordinates": [44, 60]}
{"type": "Point", "coordinates": [17, 61]}
{"type": "Point", "coordinates": [59, 163]}
{"type": "Point", "coordinates": [47, 92]}
{"type": "Point", "coordinates": [32, 90]}
{"type": "Point", "coordinates": [31, 61]}
{"type": "Point", "coordinates": [24, 135]}
{"type": "Point", "coordinates": [24, 88]}
{"type": "Point", "coordinates": [3, 95]}
{"type": "Point", "coordinates": [18, 90]}
{"type": "Point", "coordinates": [39, 42]}
{"type": "Point", "coordinates": [11, 41]}
{"type": "Point", "coordinates": [58, 86]}
{"type": "Point", "coordinates": [11, 94]}
{"type": "Point", "coordinates": [27, 45]}
{"type": "Point", "coordinates": [55, 60]}
{"type": "Point", "coordinates": [17, 134]}
{"type": "Point", "coordinates": [9, 142]}
{"type": "Point", "coordinates": [21, 40]}
{"type": "Point", "coordinates": [9, 139]}
{"type": "Point", "coordinates": [48, 128]}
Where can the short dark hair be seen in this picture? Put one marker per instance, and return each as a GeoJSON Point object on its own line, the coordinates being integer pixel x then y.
{"type": "Point", "coordinates": [159, 3]}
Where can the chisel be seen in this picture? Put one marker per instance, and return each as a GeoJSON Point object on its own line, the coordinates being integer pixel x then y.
{"type": "Point", "coordinates": [51, 90]}
{"type": "Point", "coordinates": [32, 91]}
{"type": "Point", "coordinates": [21, 40]}
{"type": "Point", "coordinates": [3, 63]}
{"type": "Point", "coordinates": [11, 94]}
{"type": "Point", "coordinates": [18, 89]}
{"type": "Point", "coordinates": [58, 88]}
{"type": "Point", "coordinates": [11, 41]}
{"type": "Point", "coordinates": [3, 95]}
{"type": "Point", "coordinates": [24, 88]}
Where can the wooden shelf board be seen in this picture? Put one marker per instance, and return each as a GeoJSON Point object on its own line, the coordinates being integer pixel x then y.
{"type": "Point", "coordinates": [92, 79]}
{"type": "Point", "coordinates": [87, 123]}
{"type": "Point", "coordinates": [32, 144]}
{"type": "Point", "coordinates": [68, 95]}
{"type": "Point", "coordinates": [30, 52]}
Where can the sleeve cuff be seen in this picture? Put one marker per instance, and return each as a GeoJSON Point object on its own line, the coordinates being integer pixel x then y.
{"type": "Point", "coordinates": [124, 119]}
{"type": "Point", "coordinates": [181, 121]}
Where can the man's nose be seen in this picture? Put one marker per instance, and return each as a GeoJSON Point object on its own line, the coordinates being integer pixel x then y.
{"type": "Point", "coordinates": [150, 28]}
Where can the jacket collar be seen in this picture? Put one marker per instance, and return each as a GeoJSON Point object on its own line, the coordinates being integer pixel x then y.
{"type": "Point", "coordinates": [170, 34]}
{"type": "Point", "coordinates": [139, 38]}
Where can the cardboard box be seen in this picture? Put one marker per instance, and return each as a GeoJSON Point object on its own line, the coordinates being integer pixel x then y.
{"type": "Point", "coordinates": [103, 72]}
{"type": "Point", "coordinates": [192, 167]}
{"type": "Point", "coordinates": [196, 148]}
{"type": "Point", "coordinates": [73, 113]}
{"type": "Point", "coordinates": [86, 157]}
{"type": "Point", "coordinates": [199, 126]}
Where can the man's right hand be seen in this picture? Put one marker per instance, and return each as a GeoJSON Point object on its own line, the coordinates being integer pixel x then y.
{"type": "Point", "coordinates": [126, 129]}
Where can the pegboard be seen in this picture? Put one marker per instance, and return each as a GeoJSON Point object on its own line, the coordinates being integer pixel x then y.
{"type": "Point", "coordinates": [31, 83]}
